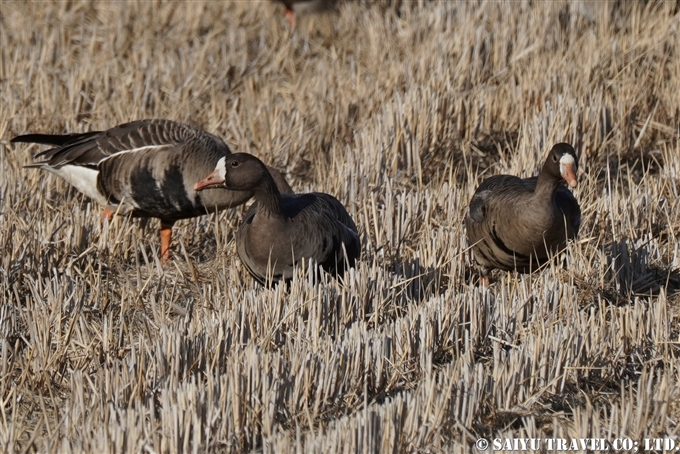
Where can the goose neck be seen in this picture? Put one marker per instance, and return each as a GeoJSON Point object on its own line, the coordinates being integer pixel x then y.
{"type": "Point", "coordinates": [267, 195]}
{"type": "Point", "coordinates": [546, 185]}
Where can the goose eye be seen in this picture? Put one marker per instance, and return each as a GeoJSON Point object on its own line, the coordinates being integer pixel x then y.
{"type": "Point", "coordinates": [234, 163]}
{"type": "Point", "coordinates": [555, 159]}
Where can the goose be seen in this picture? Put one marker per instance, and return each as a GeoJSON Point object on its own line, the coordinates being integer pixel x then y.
{"type": "Point", "coordinates": [303, 7]}
{"type": "Point", "coordinates": [145, 168]}
{"type": "Point", "coordinates": [519, 223]}
{"type": "Point", "coordinates": [281, 230]}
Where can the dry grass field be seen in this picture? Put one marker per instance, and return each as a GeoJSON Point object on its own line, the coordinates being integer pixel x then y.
{"type": "Point", "coordinates": [399, 110]}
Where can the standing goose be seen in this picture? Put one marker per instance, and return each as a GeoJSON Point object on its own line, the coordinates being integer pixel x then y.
{"type": "Point", "coordinates": [518, 223]}
{"type": "Point", "coordinates": [280, 230]}
{"type": "Point", "coordinates": [146, 168]}
{"type": "Point", "coordinates": [304, 6]}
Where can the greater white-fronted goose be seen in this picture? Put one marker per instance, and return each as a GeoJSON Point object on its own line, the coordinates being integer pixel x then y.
{"type": "Point", "coordinates": [280, 230]}
{"type": "Point", "coordinates": [146, 168]}
{"type": "Point", "coordinates": [519, 223]}
{"type": "Point", "coordinates": [304, 6]}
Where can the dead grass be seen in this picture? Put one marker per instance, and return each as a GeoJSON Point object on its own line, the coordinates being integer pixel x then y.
{"type": "Point", "coordinates": [399, 110]}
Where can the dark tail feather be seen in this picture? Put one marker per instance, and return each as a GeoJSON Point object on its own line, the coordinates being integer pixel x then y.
{"type": "Point", "coordinates": [53, 139]}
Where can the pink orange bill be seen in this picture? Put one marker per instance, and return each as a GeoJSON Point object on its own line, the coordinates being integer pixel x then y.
{"type": "Point", "coordinates": [567, 171]}
{"type": "Point", "coordinates": [211, 181]}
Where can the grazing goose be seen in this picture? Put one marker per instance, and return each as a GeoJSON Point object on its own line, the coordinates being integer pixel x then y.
{"type": "Point", "coordinates": [280, 230]}
{"type": "Point", "coordinates": [303, 7]}
{"type": "Point", "coordinates": [146, 168]}
{"type": "Point", "coordinates": [515, 223]}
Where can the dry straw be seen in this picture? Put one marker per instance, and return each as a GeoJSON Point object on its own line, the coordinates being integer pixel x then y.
{"type": "Point", "coordinates": [400, 110]}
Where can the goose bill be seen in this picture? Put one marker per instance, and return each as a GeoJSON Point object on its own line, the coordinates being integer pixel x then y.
{"type": "Point", "coordinates": [568, 173]}
{"type": "Point", "coordinates": [211, 181]}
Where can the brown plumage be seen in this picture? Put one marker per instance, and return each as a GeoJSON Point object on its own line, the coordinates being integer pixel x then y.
{"type": "Point", "coordinates": [146, 168]}
{"type": "Point", "coordinates": [518, 224]}
{"type": "Point", "coordinates": [281, 230]}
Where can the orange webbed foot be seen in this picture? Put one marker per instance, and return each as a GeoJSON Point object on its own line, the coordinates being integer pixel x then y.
{"type": "Point", "coordinates": [291, 18]}
{"type": "Point", "coordinates": [166, 240]}
{"type": "Point", "coordinates": [107, 215]}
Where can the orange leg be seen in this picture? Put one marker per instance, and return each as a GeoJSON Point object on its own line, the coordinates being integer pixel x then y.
{"type": "Point", "coordinates": [107, 215]}
{"type": "Point", "coordinates": [166, 238]}
{"type": "Point", "coordinates": [485, 281]}
{"type": "Point", "coordinates": [291, 18]}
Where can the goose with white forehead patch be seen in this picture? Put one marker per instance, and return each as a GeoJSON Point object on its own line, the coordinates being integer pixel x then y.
{"type": "Point", "coordinates": [281, 230]}
{"type": "Point", "coordinates": [146, 168]}
{"type": "Point", "coordinates": [519, 223]}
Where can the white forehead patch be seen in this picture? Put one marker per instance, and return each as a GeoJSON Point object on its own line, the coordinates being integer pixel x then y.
{"type": "Point", "coordinates": [221, 167]}
{"type": "Point", "coordinates": [567, 160]}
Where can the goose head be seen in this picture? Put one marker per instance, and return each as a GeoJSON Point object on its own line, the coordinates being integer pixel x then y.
{"type": "Point", "coordinates": [238, 172]}
{"type": "Point", "coordinates": [562, 163]}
